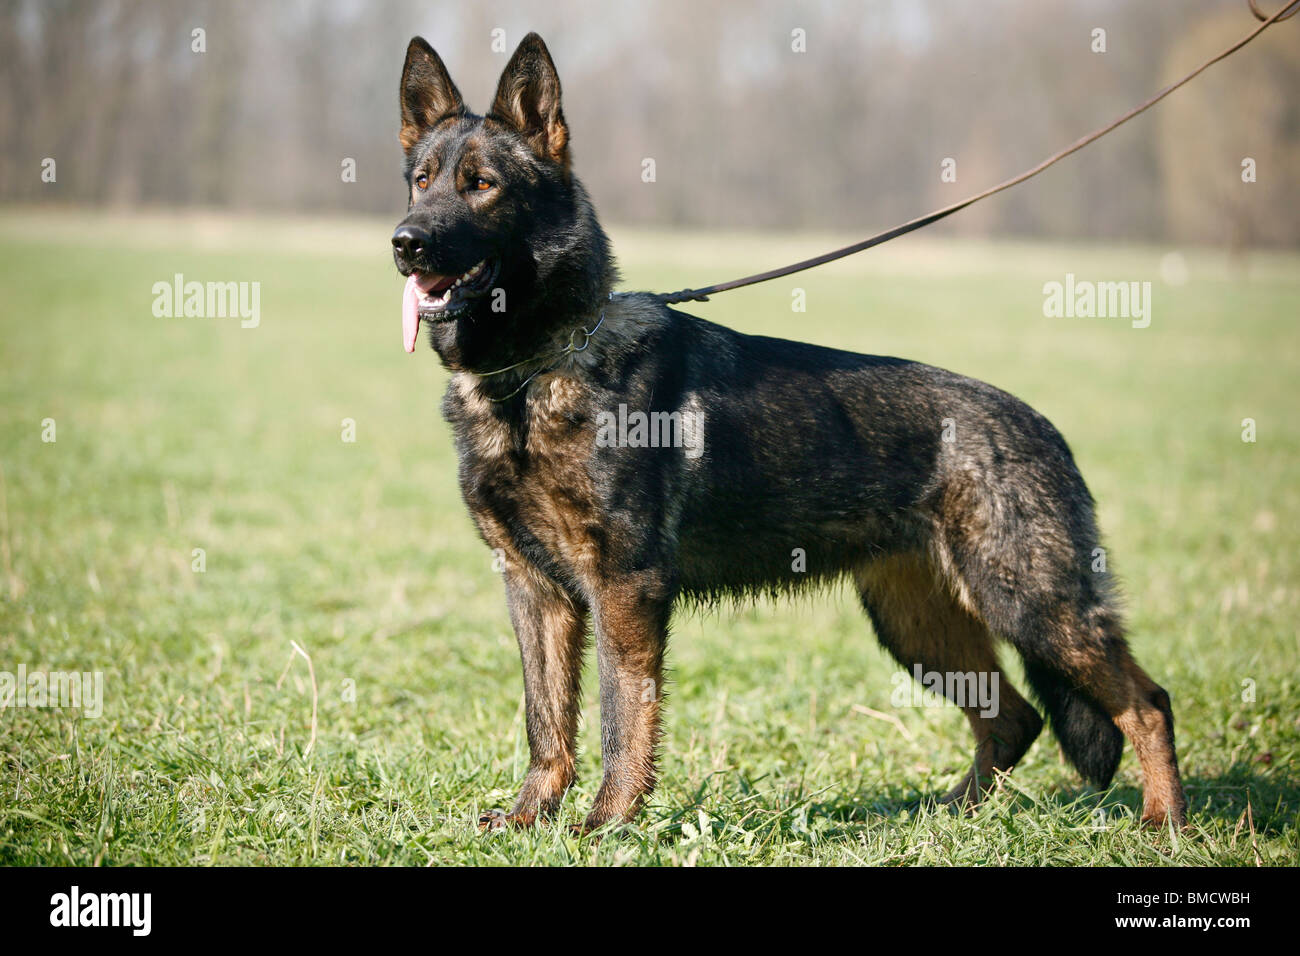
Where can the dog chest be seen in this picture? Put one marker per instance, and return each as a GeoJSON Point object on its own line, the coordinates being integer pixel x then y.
{"type": "Point", "coordinates": [526, 478]}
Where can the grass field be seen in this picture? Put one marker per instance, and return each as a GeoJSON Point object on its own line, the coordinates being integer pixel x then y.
{"type": "Point", "coordinates": [177, 434]}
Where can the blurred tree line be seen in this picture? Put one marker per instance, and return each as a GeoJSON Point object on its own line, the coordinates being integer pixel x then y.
{"type": "Point", "coordinates": [745, 128]}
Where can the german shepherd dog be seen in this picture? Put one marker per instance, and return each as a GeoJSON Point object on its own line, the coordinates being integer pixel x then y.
{"type": "Point", "coordinates": [954, 509]}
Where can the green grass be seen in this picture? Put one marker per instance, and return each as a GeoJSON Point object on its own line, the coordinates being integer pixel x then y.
{"type": "Point", "coordinates": [176, 434]}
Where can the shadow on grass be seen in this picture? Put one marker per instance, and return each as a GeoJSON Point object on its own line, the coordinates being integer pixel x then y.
{"type": "Point", "coordinates": [1273, 799]}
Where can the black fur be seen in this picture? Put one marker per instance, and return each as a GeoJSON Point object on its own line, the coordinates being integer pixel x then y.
{"type": "Point", "coordinates": [1090, 739]}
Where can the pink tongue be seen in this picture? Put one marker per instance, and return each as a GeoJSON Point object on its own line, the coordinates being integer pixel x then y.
{"type": "Point", "coordinates": [417, 283]}
{"type": "Point", "coordinates": [411, 312]}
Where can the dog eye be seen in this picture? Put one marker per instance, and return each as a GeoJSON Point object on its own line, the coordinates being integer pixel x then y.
{"type": "Point", "coordinates": [422, 182]}
{"type": "Point", "coordinates": [481, 184]}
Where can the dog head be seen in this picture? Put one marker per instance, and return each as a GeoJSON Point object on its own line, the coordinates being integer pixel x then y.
{"type": "Point", "coordinates": [498, 232]}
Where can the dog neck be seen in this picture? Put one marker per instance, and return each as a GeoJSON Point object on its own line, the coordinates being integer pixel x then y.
{"type": "Point", "coordinates": [528, 369]}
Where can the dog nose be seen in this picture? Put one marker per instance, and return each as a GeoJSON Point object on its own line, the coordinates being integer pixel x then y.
{"type": "Point", "coordinates": [411, 241]}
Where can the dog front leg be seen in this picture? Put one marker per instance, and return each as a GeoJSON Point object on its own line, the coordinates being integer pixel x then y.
{"type": "Point", "coordinates": [631, 622]}
{"type": "Point", "coordinates": [551, 629]}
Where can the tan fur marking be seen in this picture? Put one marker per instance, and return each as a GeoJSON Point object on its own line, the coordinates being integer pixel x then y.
{"type": "Point", "coordinates": [491, 436]}
{"type": "Point", "coordinates": [559, 489]}
{"type": "Point", "coordinates": [630, 647]}
{"type": "Point", "coordinates": [1126, 692]}
{"type": "Point", "coordinates": [551, 629]}
{"type": "Point", "coordinates": [409, 136]}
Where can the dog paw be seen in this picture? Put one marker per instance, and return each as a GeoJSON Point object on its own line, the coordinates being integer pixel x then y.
{"type": "Point", "coordinates": [1161, 819]}
{"type": "Point", "coordinates": [596, 828]}
{"type": "Point", "coordinates": [500, 820]}
{"type": "Point", "coordinates": [587, 831]}
{"type": "Point", "coordinates": [493, 820]}
{"type": "Point", "coordinates": [965, 796]}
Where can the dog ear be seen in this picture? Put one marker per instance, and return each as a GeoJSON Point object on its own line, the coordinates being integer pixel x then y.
{"type": "Point", "coordinates": [427, 93]}
{"type": "Point", "coordinates": [528, 100]}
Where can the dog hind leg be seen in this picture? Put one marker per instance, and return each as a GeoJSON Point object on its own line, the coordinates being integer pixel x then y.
{"type": "Point", "coordinates": [1025, 564]}
{"type": "Point", "coordinates": [922, 623]}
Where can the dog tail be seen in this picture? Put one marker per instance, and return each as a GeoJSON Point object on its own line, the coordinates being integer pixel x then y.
{"type": "Point", "coordinates": [1090, 739]}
